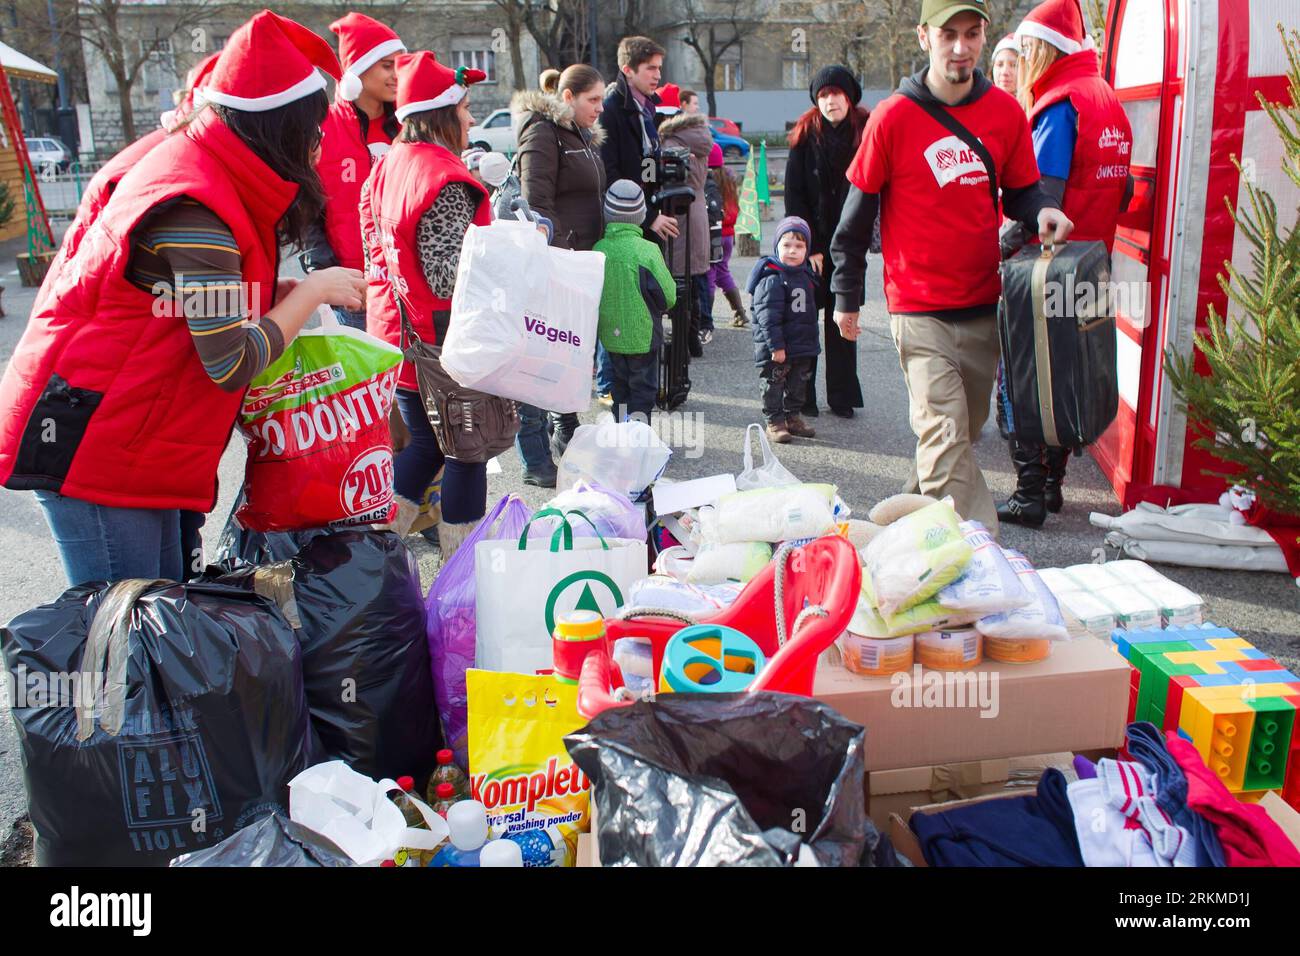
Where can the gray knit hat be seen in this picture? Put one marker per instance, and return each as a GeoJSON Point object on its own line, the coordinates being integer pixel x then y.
{"type": "Point", "coordinates": [625, 202]}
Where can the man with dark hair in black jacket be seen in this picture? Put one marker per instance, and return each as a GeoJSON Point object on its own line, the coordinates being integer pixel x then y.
{"type": "Point", "coordinates": [631, 147]}
{"type": "Point", "coordinates": [924, 149]}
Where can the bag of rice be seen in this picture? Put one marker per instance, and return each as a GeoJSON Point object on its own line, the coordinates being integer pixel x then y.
{"type": "Point", "coordinates": [916, 557]}
{"type": "Point", "coordinates": [771, 514]}
{"type": "Point", "coordinates": [988, 585]}
{"type": "Point", "coordinates": [1040, 618]}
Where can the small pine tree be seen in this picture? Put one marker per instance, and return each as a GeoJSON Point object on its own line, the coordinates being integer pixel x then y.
{"type": "Point", "coordinates": [1246, 411]}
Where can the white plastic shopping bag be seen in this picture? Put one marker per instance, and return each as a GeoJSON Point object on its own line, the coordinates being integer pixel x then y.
{"type": "Point", "coordinates": [356, 813]}
{"type": "Point", "coordinates": [524, 586]}
{"type": "Point", "coordinates": [770, 474]}
{"type": "Point", "coordinates": [625, 456]}
{"type": "Point", "coordinates": [523, 317]}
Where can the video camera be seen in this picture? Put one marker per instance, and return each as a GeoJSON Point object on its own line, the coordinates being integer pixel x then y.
{"type": "Point", "coordinates": [672, 169]}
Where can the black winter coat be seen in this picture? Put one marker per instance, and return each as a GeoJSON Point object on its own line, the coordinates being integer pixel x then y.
{"type": "Point", "coordinates": [785, 310]}
{"type": "Point", "coordinates": [623, 150]}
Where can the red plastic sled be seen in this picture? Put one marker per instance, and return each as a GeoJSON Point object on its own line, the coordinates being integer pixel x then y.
{"type": "Point", "coordinates": [824, 573]}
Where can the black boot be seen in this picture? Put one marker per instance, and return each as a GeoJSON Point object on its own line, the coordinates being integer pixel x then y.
{"type": "Point", "coordinates": [563, 426]}
{"type": "Point", "coordinates": [1055, 460]}
{"type": "Point", "coordinates": [1026, 506]}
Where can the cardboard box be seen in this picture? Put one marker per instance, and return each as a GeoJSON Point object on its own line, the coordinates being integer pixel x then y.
{"type": "Point", "coordinates": [588, 849]}
{"type": "Point", "coordinates": [905, 841]}
{"type": "Point", "coordinates": [1076, 700]}
{"type": "Point", "coordinates": [1284, 815]}
{"type": "Point", "coordinates": [897, 791]}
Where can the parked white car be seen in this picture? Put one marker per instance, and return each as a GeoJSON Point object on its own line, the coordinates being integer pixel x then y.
{"type": "Point", "coordinates": [48, 154]}
{"type": "Point", "coordinates": [495, 134]}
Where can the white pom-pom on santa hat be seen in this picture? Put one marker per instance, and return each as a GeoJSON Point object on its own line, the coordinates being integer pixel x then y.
{"type": "Point", "coordinates": [1058, 22]}
{"type": "Point", "coordinates": [350, 86]}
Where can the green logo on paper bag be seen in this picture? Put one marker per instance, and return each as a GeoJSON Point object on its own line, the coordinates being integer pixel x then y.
{"type": "Point", "coordinates": [587, 599]}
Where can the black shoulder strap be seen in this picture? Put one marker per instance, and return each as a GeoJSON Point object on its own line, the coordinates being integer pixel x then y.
{"type": "Point", "coordinates": [949, 122]}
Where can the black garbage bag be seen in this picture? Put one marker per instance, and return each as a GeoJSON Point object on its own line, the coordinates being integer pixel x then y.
{"type": "Point", "coordinates": [154, 718]}
{"type": "Point", "coordinates": [271, 841]}
{"type": "Point", "coordinates": [355, 598]}
{"type": "Point", "coordinates": [240, 548]}
{"type": "Point", "coordinates": [728, 780]}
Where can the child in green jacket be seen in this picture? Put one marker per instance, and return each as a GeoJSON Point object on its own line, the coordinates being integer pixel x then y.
{"type": "Point", "coordinates": [638, 290]}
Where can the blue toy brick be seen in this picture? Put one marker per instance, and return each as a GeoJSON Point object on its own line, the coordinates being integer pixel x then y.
{"type": "Point", "coordinates": [1185, 735]}
{"type": "Point", "coordinates": [1219, 680]}
{"type": "Point", "coordinates": [1202, 644]}
{"type": "Point", "coordinates": [1254, 654]}
{"type": "Point", "coordinates": [1232, 667]}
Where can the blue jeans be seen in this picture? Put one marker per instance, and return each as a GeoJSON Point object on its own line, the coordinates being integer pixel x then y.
{"type": "Point", "coordinates": [464, 485]}
{"type": "Point", "coordinates": [533, 443]}
{"type": "Point", "coordinates": [353, 319]}
{"type": "Point", "coordinates": [102, 543]}
{"type": "Point", "coordinates": [604, 371]}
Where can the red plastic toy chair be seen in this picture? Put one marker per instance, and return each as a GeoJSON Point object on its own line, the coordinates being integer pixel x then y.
{"type": "Point", "coordinates": [819, 585]}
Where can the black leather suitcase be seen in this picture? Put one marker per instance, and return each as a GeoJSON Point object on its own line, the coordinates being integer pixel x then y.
{"type": "Point", "coordinates": [1056, 322]}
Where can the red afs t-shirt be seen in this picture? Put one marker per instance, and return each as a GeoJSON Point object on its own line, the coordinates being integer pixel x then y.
{"type": "Point", "coordinates": [938, 226]}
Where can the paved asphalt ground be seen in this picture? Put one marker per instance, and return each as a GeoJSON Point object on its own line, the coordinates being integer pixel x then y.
{"type": "Point", "coordinates": [867, 457]}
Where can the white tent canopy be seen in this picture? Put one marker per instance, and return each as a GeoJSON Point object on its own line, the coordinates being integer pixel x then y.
{"type": "Point", "coordinates": [23, 66]}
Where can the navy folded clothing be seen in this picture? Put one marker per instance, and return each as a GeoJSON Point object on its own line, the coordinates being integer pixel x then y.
{"type": "Point", "coordinates": [1012, 831]}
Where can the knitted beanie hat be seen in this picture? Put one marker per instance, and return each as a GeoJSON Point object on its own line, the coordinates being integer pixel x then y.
{"type": "Point", "coordinates": [625, 202]}
{"type": "Point", "coordinates": [791, 224]}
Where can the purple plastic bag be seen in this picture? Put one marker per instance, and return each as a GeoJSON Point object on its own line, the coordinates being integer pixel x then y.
{"type": "Point", "coordinates": [449, 613]}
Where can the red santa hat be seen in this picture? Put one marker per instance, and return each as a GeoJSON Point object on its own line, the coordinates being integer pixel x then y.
{"type": "Point", "coordinates": [195, 79]}
{"type": "Point", "coordinates": [670, 99]}
{"type": "Point", "coordinates": [1058, 22]}
{"type": "Point", "coordinates": [425, 84]}
{"type": "Point", "coordinates": [269, 62]}
{"type": "Point", "coordinates": [363, 42]}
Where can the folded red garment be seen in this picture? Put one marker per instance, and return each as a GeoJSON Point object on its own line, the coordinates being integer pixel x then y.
{"type": "Point", "coordinates": [1248, 834]}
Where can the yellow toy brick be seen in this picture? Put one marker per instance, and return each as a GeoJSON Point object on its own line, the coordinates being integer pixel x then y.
{"type": "Point", "coordinates": [1220, 730]}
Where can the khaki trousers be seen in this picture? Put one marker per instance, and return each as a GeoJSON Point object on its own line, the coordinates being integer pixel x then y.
{"type": "Point", "coordinates": [949, 369]}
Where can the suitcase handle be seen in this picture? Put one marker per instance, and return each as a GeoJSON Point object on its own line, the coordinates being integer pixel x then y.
{"type": "Point", "coordinates": [1051, 249]}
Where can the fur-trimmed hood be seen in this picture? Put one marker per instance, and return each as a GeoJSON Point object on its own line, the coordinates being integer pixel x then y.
{"type": "Point", "coordinates": [687, 128]}
{"type": "Point", "coordinates": [549, 107]}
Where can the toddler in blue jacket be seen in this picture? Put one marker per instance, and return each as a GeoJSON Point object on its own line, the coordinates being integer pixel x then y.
{"type": "Point", "coordinates": [784, 290]}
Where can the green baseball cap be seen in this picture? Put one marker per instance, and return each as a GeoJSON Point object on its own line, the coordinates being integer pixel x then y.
{"type": "Point", "coordinates": [936, 13]}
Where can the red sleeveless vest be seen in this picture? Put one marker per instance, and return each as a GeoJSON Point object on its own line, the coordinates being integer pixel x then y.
{"type": "Point", "coordinates": [345, 162]}
{"type": "Point", "coordinates": [95, 198]}
{"type": "Point", "coordinates": [1099, 170]}
{"type": "Point", "coordinates": [402, 188]}
{"type": "Point", "coordinates": [105, 398]}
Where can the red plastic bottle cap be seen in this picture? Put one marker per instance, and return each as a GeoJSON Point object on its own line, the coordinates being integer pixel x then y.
{"type": "Point", "coordinates": [445, 756]}
{"type": "Point", "coordinates": [406, 783]}
{"type": "Point", "coordinates": [445, 791]}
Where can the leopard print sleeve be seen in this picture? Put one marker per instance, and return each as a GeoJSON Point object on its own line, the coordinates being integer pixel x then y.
{"type": "Point", "coordinates": [440, 233]}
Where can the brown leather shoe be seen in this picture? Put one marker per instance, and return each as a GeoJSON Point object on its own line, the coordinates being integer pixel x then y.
{"type": "Point", "coordinates": [797, 427]}
{"type": "Point", "coordinates": [778, 433]}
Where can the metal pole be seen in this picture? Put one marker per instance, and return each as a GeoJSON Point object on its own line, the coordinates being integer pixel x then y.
{"type": "Point", "coordinates": [58, 56]}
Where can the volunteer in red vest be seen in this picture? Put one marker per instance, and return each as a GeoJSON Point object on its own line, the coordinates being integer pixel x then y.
{"type": "Point", "coordinates": [358, 130]}
{"type": "Point", "coordinates": [121, 396]}
{"type": "Point", "coordinates": [1083, 143]}
{"type": "Point", "coordinates": [416, 207]}
{"type": "Point", "coordinates": [939, 237]}
{"type": "Point", "coordinates": [101, 185]}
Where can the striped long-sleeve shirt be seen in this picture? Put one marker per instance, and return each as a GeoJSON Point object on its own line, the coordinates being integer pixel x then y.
{"type": "Point", "coordinates": [184, 252]}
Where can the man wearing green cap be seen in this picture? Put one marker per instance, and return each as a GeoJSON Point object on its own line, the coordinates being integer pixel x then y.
{"type": "Point", "coordinates": [924, 164]}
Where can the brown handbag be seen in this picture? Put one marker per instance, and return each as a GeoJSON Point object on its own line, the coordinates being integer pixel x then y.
{"type": "Point", "coordinates": [471, 426]}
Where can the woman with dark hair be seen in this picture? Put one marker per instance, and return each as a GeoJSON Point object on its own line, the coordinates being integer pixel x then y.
{"type": "Point", "coordinates": [562, 177]}
{"type": "Point", "coordinates": [416, 208]}
{"type": "Point", "coordinates": [121, 396]}
{"type": "Point", "coordinates": [358, 130]}
{"type": "Point", "coordinates": [822, 144]}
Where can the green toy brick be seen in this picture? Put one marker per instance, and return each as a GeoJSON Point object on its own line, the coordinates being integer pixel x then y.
{"type": "Point", "coordinates": [1270, 743]}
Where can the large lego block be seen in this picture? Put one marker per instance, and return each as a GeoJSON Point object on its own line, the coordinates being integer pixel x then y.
{"type": "Point", "coordinates": [1270, 743]}
{"type": "Point", "coordinates": [1220, 730]}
